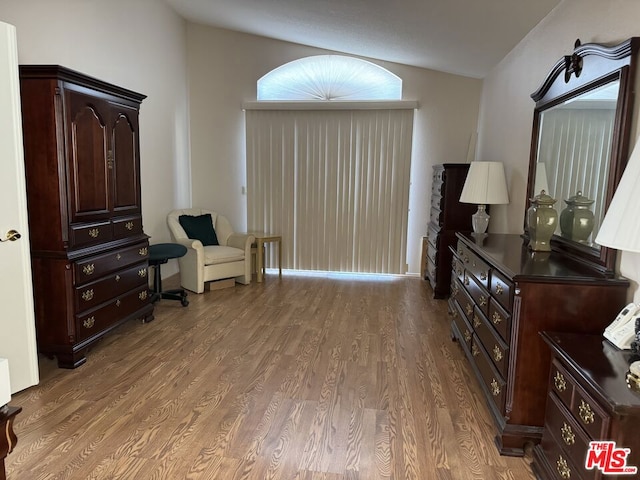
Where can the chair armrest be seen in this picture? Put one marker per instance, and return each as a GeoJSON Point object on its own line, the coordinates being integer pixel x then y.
{"type": "Point", "coordinates": [242, 241]}
{"type": "Point", "coordinates": [190, 243]}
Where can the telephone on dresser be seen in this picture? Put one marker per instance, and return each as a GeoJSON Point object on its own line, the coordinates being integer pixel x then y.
{"type": "Point", "coordinates": [622, 331]}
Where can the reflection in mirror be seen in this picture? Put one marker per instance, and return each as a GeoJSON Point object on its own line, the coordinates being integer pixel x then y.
{"type": "Point", "coordinates": [573, 162]}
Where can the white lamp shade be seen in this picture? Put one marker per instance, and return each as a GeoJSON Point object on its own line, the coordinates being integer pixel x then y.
{"type": "Point", "coordinates": [620, 228]}
{"type": "Point", "coordinates": [486, 184]}
{"type": "Point", "coordinates": [541, 182]}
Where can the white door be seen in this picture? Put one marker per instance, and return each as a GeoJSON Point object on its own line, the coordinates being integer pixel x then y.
{"type": "Point", "coordinates": [17, 319]}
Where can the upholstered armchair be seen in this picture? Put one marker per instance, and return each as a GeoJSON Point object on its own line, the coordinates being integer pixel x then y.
{"type": "Point", "coordinates": [205, 261]}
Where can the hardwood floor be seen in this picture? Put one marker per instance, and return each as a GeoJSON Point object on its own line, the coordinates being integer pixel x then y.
{"type": "Point", "coordinates": [302, 378]}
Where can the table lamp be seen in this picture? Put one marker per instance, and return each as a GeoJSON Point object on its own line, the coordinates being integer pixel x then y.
{"type": "Point", "coordinates": [620, 227]}
{"type": "Point", "coordinates": [485, 185]}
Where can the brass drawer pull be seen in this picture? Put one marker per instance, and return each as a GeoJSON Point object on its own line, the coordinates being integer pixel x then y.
{"type": "Point", "coordinates": [89, 322]}
{"type": "Point", "coordinates": [128, 225]}
{"type": "Point", "coordinates": [497, 353]}
{"type": "Point", "coordinates": [142, 272]}
{"type": "Point", "coordinates": [118, 278]}
{"type": "Point", "coordinates": [586, 414]}
{"type": "Point", "coordinates": [475, 351]}
{"type": "Point", "coordinates": [567, 434]}
{"type": "Point", "coordinates": [89, 269]}
{"type": "Point", "coordinates": [495, 388]}
{"type": "Point", "coordinates": [454, 313]}
{"type": "Point", "coordinates": [563, 467]}
{"type": "Point", "coordinates": [560, 382]}
{"type": "Point", "coordinates": [118, 302]}
{"type": "Point", "coordinates": [142, 295]}
{"type": "Point", "coordinates": [466, 259]}
{"type": "Point", "coordinates": [87, 295]}
{"type": "Point", "coordinates": [483, 300]}
{"type": "Point", "coordinates": [467, 336]}
{"type": "Point", "coordinates": [499, 288]}
{"type": "Point", "coordinates": [476, 321]}
{"type": "Point", "coordinates": [469, 309]}
{"type": "Point", "coordinates": [118, 256]}
{"type": "Point", "coordinates": [94, 232]}
{"type": "Point", "coordinates": [483, 276]}
{"type": "Point", "coordinates": [143, 251]}
{"type": "Point", "coordinates": [496, 318]}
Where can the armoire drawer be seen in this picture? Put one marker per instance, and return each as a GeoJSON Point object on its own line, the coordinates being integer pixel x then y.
{"type": "Point", "coordinates": [97, 319]}
{"type": "Point", "coordinates": [88, 269]}
{"type": "Point", "coordinates": [127, 226]}
{"type": "Point", "coordinates": [85, 234]}
{"type": "Point", "coordinates": [94, 293]}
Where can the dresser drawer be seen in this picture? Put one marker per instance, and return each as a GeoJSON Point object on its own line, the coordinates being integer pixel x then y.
{"type": "Point", "coordinates": [461, 323]}
{"type": "Point", "coordinates": [589, 414]}
{"type": "Point", "coordinates": [466, 303]}
{"type": "Point", "coordinates": [117, 283]}
{"type": "Point", "coordinates": [479, 269]}
{"type": "Point", "coordinates": [500, 319]}
{"type": "Point", "coordinates": [94, 321]}
{"type": "Point", "coordinates": [89, 269]}
{"type": "Point", "coordinates": [561, 383]}
{"type": "Point", "coordinates": [494, 345]}
{"type": "Point", "coordinates": [82, 235]}
{"type": "Point", "coordinates": [562, 467]}
{"type": "Point", "coordinates": [567, 434]}
{"type": "Point", "coordinates": [436, 215]}
{"type": "Point", "coordinates": [127, 226]}
{"type": "Point", "coordinates": [502, 289]}
{"type": "Point", "coordinates": [432, 235]}
{"type": "Point", "coordinates": [490, 376]}
{"type": "Point", "coordinates": [478, 293]}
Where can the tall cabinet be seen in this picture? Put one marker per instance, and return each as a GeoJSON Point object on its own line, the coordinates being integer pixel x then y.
{"type": "Point", "coordinates": [89, 253]}
{"type": "Point", "coordinates": [448, 215]}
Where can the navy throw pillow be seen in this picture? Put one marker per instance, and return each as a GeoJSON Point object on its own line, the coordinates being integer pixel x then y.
{"type": "Point", "coordinates": [199, 228]}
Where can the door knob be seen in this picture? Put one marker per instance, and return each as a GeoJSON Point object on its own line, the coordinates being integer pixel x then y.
{"type": "Point", "coordinates": [12, 235]}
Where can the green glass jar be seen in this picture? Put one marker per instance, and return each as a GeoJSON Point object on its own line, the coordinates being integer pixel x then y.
{"type": "Point", "coordinates": [576, 220]}
{"type": "Point", "coordinates": [542, 220]}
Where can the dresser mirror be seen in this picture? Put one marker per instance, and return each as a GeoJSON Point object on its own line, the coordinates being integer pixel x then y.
{"type": "Point", "coordinates": [580, 142]}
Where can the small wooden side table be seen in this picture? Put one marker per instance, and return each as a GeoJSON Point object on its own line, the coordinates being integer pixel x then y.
{"type": "Point", "coordinates": [8, 439]}
{"type": "Point", "coordinates": [261, 239]}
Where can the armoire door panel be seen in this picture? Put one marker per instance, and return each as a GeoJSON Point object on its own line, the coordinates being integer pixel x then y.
{"type": "Point", "coordinates": [125, 178]}
{"type": "Point", "coordinates": [89, 172]}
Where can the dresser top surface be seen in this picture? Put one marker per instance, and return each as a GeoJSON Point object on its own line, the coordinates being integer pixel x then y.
{"type": "Point", "coordinates": [509, 254]}
{"type": "Point", "coordinates": [600, 365]}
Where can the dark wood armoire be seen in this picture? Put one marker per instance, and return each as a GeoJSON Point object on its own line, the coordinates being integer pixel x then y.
{"type": "Point", "coordinates": [89, 253]}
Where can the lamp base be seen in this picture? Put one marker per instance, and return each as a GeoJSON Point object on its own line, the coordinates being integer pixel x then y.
{"type": "Point", "coordinates": [480, 220]}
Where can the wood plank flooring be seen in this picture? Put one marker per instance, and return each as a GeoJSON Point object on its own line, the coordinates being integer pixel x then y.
{"type": "Point", "coordinates": [305, 378]}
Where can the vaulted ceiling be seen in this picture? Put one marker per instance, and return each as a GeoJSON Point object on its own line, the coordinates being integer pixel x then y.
{"type": "Point", "coordinates": [465, 37]}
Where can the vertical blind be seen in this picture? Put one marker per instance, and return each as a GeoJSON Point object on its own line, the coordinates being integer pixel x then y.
{"type": "Point", "coordinates": [334, 184]}
{"type": "Point", "coordinates": [578, 133]}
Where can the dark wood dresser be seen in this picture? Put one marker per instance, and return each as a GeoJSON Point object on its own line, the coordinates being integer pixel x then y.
{"type": "Point", "coordinates": [88, 249]}
{"type": "Point", "coordinates": [588, 400]}
{"type": "Point", "coordinates": [447, 216]}
{"type": "Point", "coordinates": [502, 296]}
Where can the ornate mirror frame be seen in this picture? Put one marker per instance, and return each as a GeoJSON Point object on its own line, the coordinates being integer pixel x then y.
{"type": "Point", "coordinates": [589, 67]}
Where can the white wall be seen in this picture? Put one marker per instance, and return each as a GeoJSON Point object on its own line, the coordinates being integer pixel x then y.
{"type": "Point", "coordinates": [139, 45]}
{"type": "Point", "coordinates": [224, 67]}
{"type": "Point", "coordinates": [506, 112]}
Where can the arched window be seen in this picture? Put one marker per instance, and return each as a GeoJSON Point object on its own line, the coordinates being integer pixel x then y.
{"type": "Point", "coordinates": [330, 77]}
